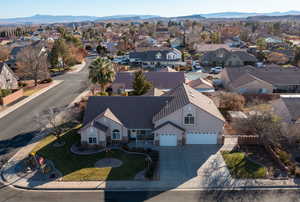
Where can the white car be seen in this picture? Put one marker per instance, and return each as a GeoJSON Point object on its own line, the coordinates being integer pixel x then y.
{"type": "Point", "coordinates": [215, 70]}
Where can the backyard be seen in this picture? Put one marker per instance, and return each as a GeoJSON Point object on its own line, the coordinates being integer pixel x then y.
{"type": "Point", "coordinates": [82, 167]}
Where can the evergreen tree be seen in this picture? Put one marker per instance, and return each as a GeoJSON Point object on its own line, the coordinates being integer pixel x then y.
{"type": "Point", "coordinates": [140, 84]}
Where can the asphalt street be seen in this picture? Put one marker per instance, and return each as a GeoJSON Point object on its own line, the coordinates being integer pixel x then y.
{"type": "Point", "coordinates": [19, 127]}
{"type": "Point", "coordinates": [10, 195]}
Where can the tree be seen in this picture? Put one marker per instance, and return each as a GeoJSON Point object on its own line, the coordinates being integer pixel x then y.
{"type": "Point", "coordinates": [53, 120]}
{"type": "Point", "coordinates": [215, 38]}
{"type": "Point", "coordinates": [101, 72]}
{"type": "Point", "coordinates": [261, 44]}
{"type": "Point", "coordinates": [4, 54]}
{"type": "Point", "coordinates": [140, 84]}
{"type": "Point", "coordinates": [60, 50]}
{"type": "Point", "coordinates": [32, 63]}
{"type": "Point", "coordinates": [232, 102]}
{"type": "Point", "coordinates": [266, 126]}
{"type": "Point", "coordinates": [101, 50]}
{"type": "Point", "coordinates": [297, 57]}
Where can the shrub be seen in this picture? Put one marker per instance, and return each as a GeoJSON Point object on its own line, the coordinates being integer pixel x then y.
{"type": "Point", "coordinates": [22, 84]}
{"type": "Point", "coordinates": [5, 92]}
{"type": "Point", "coordinates": [48, 80]}
{"type": "Point", "coordinates": [284, 157]}
{"type": "Point", "coordinates": [102, 94]}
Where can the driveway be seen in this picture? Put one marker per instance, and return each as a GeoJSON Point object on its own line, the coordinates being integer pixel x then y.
{"type": "Point", "coordinates": [182, 163]}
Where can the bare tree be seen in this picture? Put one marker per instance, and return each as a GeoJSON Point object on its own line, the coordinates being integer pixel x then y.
{"type": "Point", "coordinates": [32, 64]}
{"type": "Point", "coordinates": [4, 54]}
{"type": "Point", "coordinates": [266, 126]}
{"type": "Point", "coordinates": [53, 119]}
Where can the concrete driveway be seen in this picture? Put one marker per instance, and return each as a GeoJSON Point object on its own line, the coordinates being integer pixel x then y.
{"type": "Point", "coordinates": [182, 163]}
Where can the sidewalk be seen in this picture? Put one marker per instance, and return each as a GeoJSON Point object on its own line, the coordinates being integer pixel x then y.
{"type": "Point", "coordinates": [28, 99]}
{"type": "Point", "coordinates": [77, 68]}
{"type": "Point", "coordinates": [212, 175]}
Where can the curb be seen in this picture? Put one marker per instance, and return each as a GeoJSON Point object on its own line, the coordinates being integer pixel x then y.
{"type": "Point", "coordinates": [28, 99]}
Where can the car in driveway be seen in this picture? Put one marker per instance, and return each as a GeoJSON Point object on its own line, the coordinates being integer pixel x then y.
{"type": "Point", "coordinates": [215, 70]}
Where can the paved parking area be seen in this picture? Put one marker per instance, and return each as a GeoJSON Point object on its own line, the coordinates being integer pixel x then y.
{"type": "Point", "coordinates": [182, 163]}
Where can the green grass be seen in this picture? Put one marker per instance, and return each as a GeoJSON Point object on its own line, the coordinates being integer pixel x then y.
{"type": "Point", "coordinates": [81, 168]}
{"type": "Point", "coordinates": [240, 167]}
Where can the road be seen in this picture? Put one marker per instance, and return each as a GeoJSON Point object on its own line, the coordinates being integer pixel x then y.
{"type": "Point", "coordinates": [9, 195]}
{"type": "Point", "coordinates": [18, 127]}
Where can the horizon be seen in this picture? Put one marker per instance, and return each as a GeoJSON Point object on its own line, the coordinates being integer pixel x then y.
{"type": "Point", "coordinates": [167, 8]}
{"type": "Point", "coordinates": [134, 14]}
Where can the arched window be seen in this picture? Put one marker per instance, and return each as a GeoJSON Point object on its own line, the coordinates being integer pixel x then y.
{"type": "Point", "coordinates": [116, 135]}
{"type": "Point", "coordinates": [189, 119]}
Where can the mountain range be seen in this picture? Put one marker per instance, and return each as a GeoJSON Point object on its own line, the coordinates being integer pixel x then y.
{"type": "Point", "coordinates": [48, 19]}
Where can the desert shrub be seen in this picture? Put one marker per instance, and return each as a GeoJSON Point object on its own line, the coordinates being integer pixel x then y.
{"type": "Point", "coordinates": [5, 92]}
{"type": "Point", "coordinates": [102, 94]}
{"type": "Point", "coordinates": [231, 102]}
{"type": "Point", "coordinates": [22, 84]}
{"type": "Point", "coordinates": [262, 98]}
{"type": "Point", "coordinates": [284, 156]}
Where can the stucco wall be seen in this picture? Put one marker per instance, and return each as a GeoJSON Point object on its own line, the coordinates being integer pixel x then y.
{"type": "Point", "coordinates": [169, 129]}
{"type": "Point", "coordinates": [204, 122]}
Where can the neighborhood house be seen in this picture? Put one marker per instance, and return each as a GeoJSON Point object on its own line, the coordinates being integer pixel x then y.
{"type": "Point", "coordinates": [164, 81]}
{"type": "Point", "coordinates": [156, 57]}
{"type": "Point", "coordinates": [182, 116]}
{"type": "Point", "coordinates": [271, 79]}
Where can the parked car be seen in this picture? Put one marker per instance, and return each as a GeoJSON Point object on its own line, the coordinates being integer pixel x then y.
{"type": "Point", "coordinates": [215, 70]}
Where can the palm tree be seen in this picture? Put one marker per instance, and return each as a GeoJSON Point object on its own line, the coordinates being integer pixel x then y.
{"type": "Point", "coordinates": [101, 72]}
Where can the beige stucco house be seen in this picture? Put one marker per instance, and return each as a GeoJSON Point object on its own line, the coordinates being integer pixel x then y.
{"type": "Point", "coordinates": [252, 80]}
{"type": "Point", "coordinates": [8, 79]}
{"type": "Point", "coordinates": [182, 116]}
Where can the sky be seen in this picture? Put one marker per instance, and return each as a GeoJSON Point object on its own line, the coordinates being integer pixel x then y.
{"type": "Point", "coordinates": [165, 8]}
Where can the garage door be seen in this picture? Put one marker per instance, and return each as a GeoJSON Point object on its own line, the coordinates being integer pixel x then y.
{"type": "Point", "coordinates": [198, 138]}
{"type": "Point", "coordinates": [168, 140]}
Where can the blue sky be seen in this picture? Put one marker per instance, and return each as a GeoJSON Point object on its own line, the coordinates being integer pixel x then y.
{"type": "Point", "coordinates": [20, 8]}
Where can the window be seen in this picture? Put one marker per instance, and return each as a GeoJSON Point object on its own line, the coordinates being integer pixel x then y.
{"type": "Point", "coordinates": [116, 135]}
{"type": "Point", "coordinates": [189, 119]}
{"type": "Point", "coordinates": [92, 140]}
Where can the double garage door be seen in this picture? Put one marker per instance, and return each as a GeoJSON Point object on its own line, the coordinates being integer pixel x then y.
{"type": "Point", "coordinates": [199, 138]}
{"type": "Point", "coordinates": [191, 138]}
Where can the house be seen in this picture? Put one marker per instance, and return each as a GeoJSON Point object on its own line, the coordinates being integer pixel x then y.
{"type": "Point", "coordinates": [8, 79]}
{"type": "Point", "coordinates": [288, 108]}
{"type": "Point", "coordinates": [160, 80]}
{"type": "Point", "coordinates": [270, 79]}
{"type": "Point", "coordinates": [183, 116]}
{"type": "Point", "coordinates": [156, 57]}
{"type": "Point", "coordinates": [223, 57]}
{"type": "Point", "coordinates": [202, 85]}
{"type": "Point", "coordinates": [203, 48]}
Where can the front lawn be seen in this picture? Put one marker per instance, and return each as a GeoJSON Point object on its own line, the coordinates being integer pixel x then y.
{"type": "Point", "coordinates": [241, 167]}
{"type": "Point", "coordinates": [81, 168]}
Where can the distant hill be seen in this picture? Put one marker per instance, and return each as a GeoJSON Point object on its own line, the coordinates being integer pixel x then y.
{"type": "Point", "coordinates": [245, 15]}
{"type": "Point", "coordinates": [275, 18]}
{"type": "Point", "coordinates": [48, 19]}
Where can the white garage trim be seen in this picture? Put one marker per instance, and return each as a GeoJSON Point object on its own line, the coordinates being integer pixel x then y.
{"type": "Point", "coordinates": [201, 138]}
{"type": "Point", "coordinates": [169, 140]}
